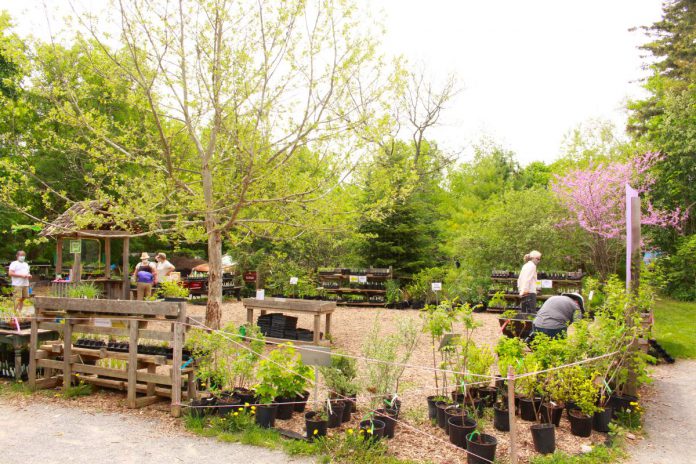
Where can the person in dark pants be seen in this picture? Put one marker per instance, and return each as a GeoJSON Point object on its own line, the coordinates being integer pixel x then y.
{"type": "Point", "coordinates": [526, 282]}
{"type": "Point", "coordinates": [557, 313]}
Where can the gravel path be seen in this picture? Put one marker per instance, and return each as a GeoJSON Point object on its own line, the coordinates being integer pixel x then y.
{"type": "Point", "coordinates": [47, 433]}
{"type": "Point", "coordinates": [670, 418]}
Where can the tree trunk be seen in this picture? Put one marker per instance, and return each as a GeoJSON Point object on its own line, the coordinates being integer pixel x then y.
{"type": "Point", "coordinates": [213, 311]}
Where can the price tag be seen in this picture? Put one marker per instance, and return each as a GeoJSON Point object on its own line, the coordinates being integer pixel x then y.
{"type": "Point", "coordinates": [261, 294]}
{"type": "Point", "coordinates": [362, 279]}
{"type": "Point", "coordinates": [354, 279]}
{"type": "Point", "coordinates": [547, 284]}
{"type": "Point", "coordinates": [436, 286]}
{"type": "Point", "coordinates": [293, 280]}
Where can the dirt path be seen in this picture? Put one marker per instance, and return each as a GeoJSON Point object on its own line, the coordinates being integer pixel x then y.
{"type": "Point", "coordinates": [41, 433]}
{"type": "Point", "coordinates": [670, 418]}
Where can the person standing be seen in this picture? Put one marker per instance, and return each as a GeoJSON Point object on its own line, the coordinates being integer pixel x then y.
{"type": "Point", "coordinates": [526, 282]}
{"type": "Point", "coordinates": [19, 271]}
{"type": "Point", "coordinates": [557, 313]}
{"type": "Point", "coordinates": [164, 267]}
{"type": "Point", "coordinates": [145, 277]}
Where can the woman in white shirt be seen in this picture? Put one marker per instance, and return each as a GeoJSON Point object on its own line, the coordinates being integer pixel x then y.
{"type": "Point", "coordinates": [526, 282]}
{"type": "Point", "coordinates": [164, 267]}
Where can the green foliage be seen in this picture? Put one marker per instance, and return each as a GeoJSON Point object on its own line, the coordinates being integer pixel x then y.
{"type": "Point", "coordinates": [171, 289]}
{"type": "Point", "coordinates": [225, 359]}
{"type": "Point", "coordinates": [84, 290]}
{"type": "Point", "coordinates": [676, 273]}
{"type": "Point", "coordinates": [674, 327]}
{"type": "Point", "coordinates": [281, 269]}
{"type": "Point", "coordinates": [281, 374]}
{"type": "Point", "coordinates": [510, 352]}
{"type": "Point", "coordinates": [340, 375]}
{"type": "Point", "coordinates": [82, 389]}
{"type": "Point", "coordinates": [600, 454]}
{"type": "Point", "coordinates": [393, 291]}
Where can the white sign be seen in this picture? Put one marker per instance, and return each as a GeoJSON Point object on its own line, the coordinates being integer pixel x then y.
{"type": "Point", "coordinates": [362, 279]}
{"type": "Point", "coordinates": [589, 297]}
{"type": "Point", "coordinates": [547, 284]}
{"type": "Point", "coordinates": [100, 322]}
{"type": "Point", "coordinates": [293, 280]}
{"type": "Point", "coordinates": [261, 294]}
{"type": "Point", "coordinates": [436, 286]}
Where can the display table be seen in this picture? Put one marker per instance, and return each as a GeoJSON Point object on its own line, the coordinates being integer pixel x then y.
{"type": "Point", "coordinates": [288, 305]}
{"type": "Point", "coordinates": [20, 340]}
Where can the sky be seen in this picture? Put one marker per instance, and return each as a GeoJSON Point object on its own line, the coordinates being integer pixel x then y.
{"type": "Point", "coordinates": [528, 71]}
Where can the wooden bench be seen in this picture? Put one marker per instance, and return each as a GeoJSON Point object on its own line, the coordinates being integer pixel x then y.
{"type": "Point", "coordinates": [289, 305]}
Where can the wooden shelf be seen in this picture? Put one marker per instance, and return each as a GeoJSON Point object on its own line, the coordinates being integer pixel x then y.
{"type": "Point", "coordinates": [560, 281]}
{"type": "Point", "coordinates": [354, 290]}
{"type": "Point", "coordinates": [360, 303]}
{"type": "Point", "coordinates": [508, 296]}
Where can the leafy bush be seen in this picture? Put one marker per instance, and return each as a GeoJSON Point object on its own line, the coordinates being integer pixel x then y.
{"type": "Point", "coordinates": [281, 374]}
{"type": "Point", "coordinates": [172, 289]}
{"type": "Point", "coordinates": [340, 375]}
{"type": "Point", "coordinates": [84, 290]}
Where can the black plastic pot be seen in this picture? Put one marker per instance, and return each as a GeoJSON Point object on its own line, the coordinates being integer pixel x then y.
{"type": "Point", "coordinates": [314, 423]}
{"type": "Point", "coordinates": [266, 415]}
{"type": "Point", "coordinates": [336, 414]}
{"type": "Point", "coordinates": [197, 408]}
{"type": "Point", "coordinates": [529, 409]}
{"type": "Point", "coordinates": [550, 414]}
{"type": "Point", "coordinates": [580, 424]}
{"type": "Point", "coordinates": [489, 395]}
{"type": "Point", "coordinates": [372, 429]}
{"type": "Point", "coordinates": [481, 449]}
{"type": "Point", "coordinates": [301, 401]}
{"type": "Point", "coordinates": [571, 406]}
{"type": "Point", "coordinates": [517, 401]}
{"type": "Point", "coordinates": [286, 408]}
{"type": "Point", "coordinates": [245, 395]}
{"type": "Point", "coordinates": [457, 397]}
{"type": "Point", "coordinates": [544, 437]}
{"type": "Point", "coordinates": [226, 405]}
{"type": "Point", "coordinates": [441, 418]}
{"type": "Point", "coordinates": [601, 419]}
{"type": "Point", "coordinates": [621, 402]}
{"type": "Point", "coordinates": [501, 419]}
{"type": "Point", "coordinates": [432, 409]}
{"type": "Point", "coordinates": [389, 402]}
{"type": "Point", "coordinates": [476, 406]}
{"type": "Point", "coordinates": [388, 416]}
{"type": "Point", "coordinates": [453, 411]}
{"type": "Point", "coordinates": [459, 428]}
{"type": "Point", "coordinates": [347, 410]}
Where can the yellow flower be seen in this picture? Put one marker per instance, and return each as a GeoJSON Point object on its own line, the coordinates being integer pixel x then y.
{"type": "Point", "coordinates": [246, 404]}
{"type": "Point", "coordinates": [350, 431]}
{"type": "Point", "coordinates": [362, 431]}
{"type": "Point", "coordinates": [253, 408]}
{"type": "Point", "coordinates": [253, 412]}
{"type": "Point", "coordinates": [240, 409]}
{"type": "Point", "coordinates": [236, 413]}
{"type": "Point", "coordinates": [316, 431]}
{"type": "Point", "coordinates": [633, 403]}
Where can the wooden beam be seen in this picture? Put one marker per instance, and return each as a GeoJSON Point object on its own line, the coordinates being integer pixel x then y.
{"type": "Point", "coordinates": [59, 256]}
{"type": "Point", "coordinates": [114, 331]}
{"type": "Point", "coordinates": [126, 270]}
{"type": "Point", "coordinates": [107, 257]}
{"type": "Point", "coordinates": [67, 354]}
{"type": "Point", "coordinates": [146, 400]}
{"type": "Point", "coordinates": [176, 369]}
{"type": "Point", "coordinates": [114, 307]}
{"type": "Point", "coordinates": [132, 362]}
{"type": "Point", "coordinates": [33, 343]}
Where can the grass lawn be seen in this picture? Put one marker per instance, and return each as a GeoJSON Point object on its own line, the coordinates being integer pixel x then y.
{"type": "Point", "coordinates": [675, 327]}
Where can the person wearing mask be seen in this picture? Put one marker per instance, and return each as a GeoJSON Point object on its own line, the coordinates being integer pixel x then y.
{"type": "Point", "coordinates": [526, 282]}
{"type": "Point", "coordinates": [145, 276]}
{"type": "Point", "coordinates": [557, 313]}
{"type": "Point", "coordinates": [19, 271]}
{"type": "Point", "coordinates": [164, 267]}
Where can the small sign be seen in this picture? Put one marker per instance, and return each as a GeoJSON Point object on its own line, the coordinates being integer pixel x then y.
{"type": "Point", "coordinates": [250, 276]}
{"type": "Point", "coordinates": [261, 294]}
{"type": "Point", "coordinates": [547, 284]}
{"type": "Point", "coordinates": [75, 246]}
{"type": "Point", "coordinates": [354, 279]}
{"type": "Point", "coordinates": [293, 280]}
{"type": "Point", "coordinates": [436, 286]}
{"type": "Point", "coordinates": [362, 279]}
{"type": "Point", "coordinates": [101, 322]}
{"type": "Point", "coordinates": [313, 355]}
{"type": "Point", "coordinates": [589, 297]}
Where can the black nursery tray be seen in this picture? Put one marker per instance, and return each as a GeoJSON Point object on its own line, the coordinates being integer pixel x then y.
{"type": "Point", "coordinates": [12, 326]}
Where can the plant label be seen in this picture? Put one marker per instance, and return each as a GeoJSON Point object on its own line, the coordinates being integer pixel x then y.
{"type": "Point", "coordinates": [313, 355]}
{"type": "Point", "coordinates": [75, 246]}
{"type": "Point", "coordinates": [589, 297]}
{"type": "Point", "coordinates": [353, 279]}
{"type": "Point", "coordinates": [436, 286]}
{"type": "Point", "coordinates": [547, 284]}
{"type": "Point", "coordinates": [362, 279]}
{"type": "Point", "coordinates": [293, 280]}
{"type": "Point", "coordinates": [261, 294]}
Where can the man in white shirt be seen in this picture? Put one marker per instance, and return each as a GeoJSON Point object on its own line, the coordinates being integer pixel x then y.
{"type": "Point", "coordinates": [526, 282]}
{"type": "Point", "coordinates": [19, 271]}
{"type": "Point", "coordinates": [164, 267]}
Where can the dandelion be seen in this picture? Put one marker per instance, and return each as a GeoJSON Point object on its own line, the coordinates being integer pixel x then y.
{"type": "Point", "coordinates": [316, 431]}
{"type": "Point", "coordinates": [246, 404]}
{"type": "Point", "coordinates": [240, 409]}
{"type": "Point", "coordinates": [253, 408]}
{"type": "Point", "coordinates": [633, 403]}
{"type": "Point", "coordinates": [350, 431]}
{"type": "Point", "coordinates": [236, 413]}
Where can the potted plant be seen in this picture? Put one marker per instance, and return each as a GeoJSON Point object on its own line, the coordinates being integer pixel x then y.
{"type": "Point", "coordinates": [316, 423]}
{"type": "Point", "coordinates": [459, 427]}
{"type": "Point", "coordinates": [284, 370]}
{"type": "Point", "coordinates": [372, 429]}
{"type": "Point", "coordinates": [339, 378]}
{"type": "Point", "coordinates": [583, 393]}
{"type": "Point", "coordinates": [438, 321]}
{"type": "Point", "coordinates": [544, 437]}
{"type": "Point", "coordinates": [481, 448]}
{"type": "Point", "coordinates": [173, 291]}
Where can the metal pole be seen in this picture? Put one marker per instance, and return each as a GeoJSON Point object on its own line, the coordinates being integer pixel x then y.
{"type": "Point", "coordinates": [511, 414]}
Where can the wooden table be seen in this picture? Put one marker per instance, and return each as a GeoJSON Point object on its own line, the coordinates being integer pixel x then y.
{"type": "Point", "coordinates": [288, 305]}
{"type": "Point", "coordinates": [20, 340]}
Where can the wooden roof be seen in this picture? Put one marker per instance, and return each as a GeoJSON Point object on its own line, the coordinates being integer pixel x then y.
{"type": "Point", "coordinates": [65, 225]}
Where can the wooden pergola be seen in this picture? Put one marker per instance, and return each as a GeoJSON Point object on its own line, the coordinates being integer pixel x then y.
{"type": "Point", "coordinates": [102, 228]}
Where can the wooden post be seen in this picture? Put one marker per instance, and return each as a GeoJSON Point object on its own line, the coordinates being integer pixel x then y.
{"type": "Point", "coordinates": [328, 325]}
{"type": "Point", "coordinates": [176, 368]}
{"type": "Point", "coordinates": [59, 256]}
{"type": "Point", "coordinates": [67, 354]}
{"type": "Point", "coordinates": [33, 343]}
{"type": "Point", "coordinates": [77, 268]}
{"type": "Point", "coordinates": [107, 257]}
{"type": "Point", "coordinates": [126, 271]}
{"type": "Point", "coordinates": [511, 414]}
{"type": "Point", "coordinates": [132, 362]}
{"type": "Point", "coordinates": [317, 329]}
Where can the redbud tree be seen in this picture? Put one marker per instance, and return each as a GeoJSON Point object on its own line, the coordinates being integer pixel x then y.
{"type": "Point", "coordinates": [595, 198]}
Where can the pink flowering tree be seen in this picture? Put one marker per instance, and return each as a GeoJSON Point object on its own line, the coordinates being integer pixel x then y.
{"type": "Point", "coordinates": [595, 198]}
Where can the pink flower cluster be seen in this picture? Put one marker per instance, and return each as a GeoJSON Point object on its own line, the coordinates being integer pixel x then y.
{"type": "Point", "coordinates": [596, 196]}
